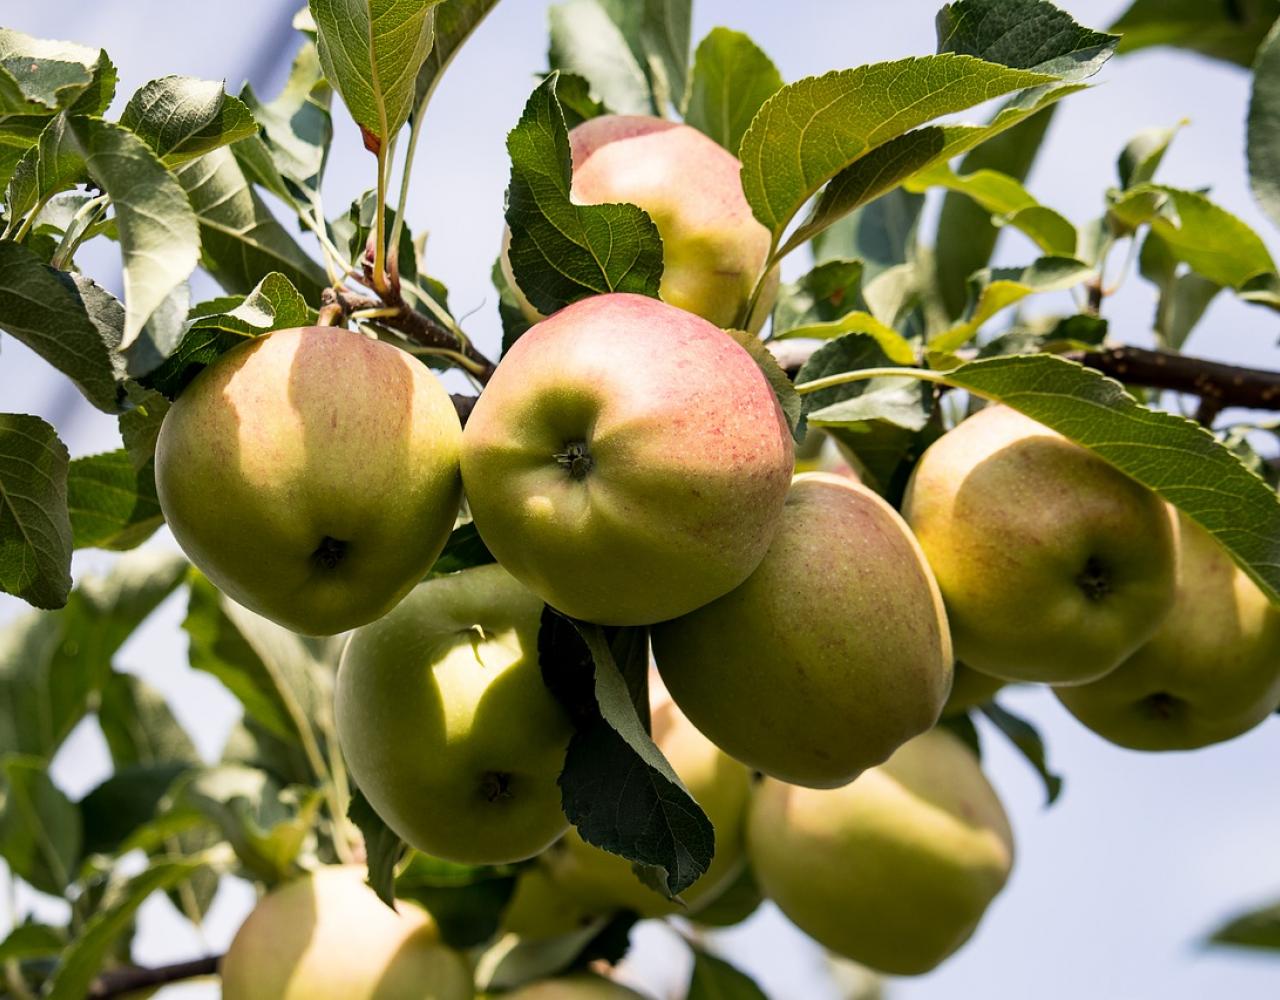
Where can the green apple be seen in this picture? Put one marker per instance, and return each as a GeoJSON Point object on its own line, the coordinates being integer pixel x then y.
{"type": "Point", "coordinates": [580, 986]}
{"type": "Point", "coordinates": [830, 656]}
{"type": "Point", "coordinates": [1211, 673]}
{"type": "Point", "coordinates": [717, 782]}
{"type": "Point", "coordinates": [713, 249]}
{"type": "Point", "coordinates": [627, 462]}
{"type": "Point", "coordinates": [327, 936]}
{"type": "Point", "coordinates": [312, 475]}
{"type": "Point", "coordinates": [894, 870]}
{"type": "Point", "coordinates": [1054, 565]}
{"type": "Point", "coordinates": [446, 725]}
{"type": "Point", "coordinates": [970, 689]}
{"type": "Point", "coordinates": [738, 901]}
{"type": "Point", "coordinates": [540, 908]}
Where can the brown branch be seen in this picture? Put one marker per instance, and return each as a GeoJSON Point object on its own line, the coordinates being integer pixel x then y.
{"type": "Point", "coordinates": [1219, 385]}
{"type": "Point", "coordinates": [119, 982]}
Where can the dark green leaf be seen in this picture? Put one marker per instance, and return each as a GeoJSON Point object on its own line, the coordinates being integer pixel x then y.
{"type": "Point", "coordinates": [561, 252]}
{"type": "Point", "coordinates": [181, 117]}
{"type": "Point", "coordinates": [112, 504]}
{"type": "Point", "coordinates": [466, 902]}
{"type": "Point", "coordinates": [1026, 739]}
{"type": "Point", "coordinates": [1194, 472]}
{"type": "Point", "coordinates": [45, 310]}
{"type": "Point", "coordinates": [464, 549]}
{"type": "Point", "coordinates": [241, 241]}
{"type": "Point", "coordinates": [131, 798]}
{"type": "Point", "coordinates": [1264, 126]}
{"type": "Point", "coordinates": [732, 78]}
{"type": "Point", "coordinates": [383, 849]}
{"type": "Point", "coordinates": [1024, 34]}
{"type": "Point", "coordinates": [32, 941]}
{"type": "Point", "coordinates": [829, 291]}
{"type": "Point", "coordinates": [40, 833]}
{"type": "Point", "coordinates": [514, 321]}
{"type": "Point", "coordinates": [35, 530]}
{"type": "Point", "coordinates": [715, 979]}
{"type": "Point", "coordinates": [140, 425]}
{"type": "Point", "coordinates": [881, 234]}
{"type": "Point", "coordinates": [139, 726]}
{"type": "Point", "coordinates": [961, 725]}
{"type": "Point", "coordinates": [1259, 929]}
{"type": "Point", "coordinates": [1224, 29]}
{"type": "Point", "coordinates": [372, 51]}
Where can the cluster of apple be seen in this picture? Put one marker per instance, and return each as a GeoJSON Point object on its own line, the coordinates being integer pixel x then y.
{"type": "Point", "coordinates": [628, 464]}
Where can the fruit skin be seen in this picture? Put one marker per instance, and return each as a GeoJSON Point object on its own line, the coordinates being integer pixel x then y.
{"type": "Point", "coordinates": [894, 870]}
{"type": "Point", "coordinates": [446, 725]}
{"type": "Point", "coordinates": [688, 457]}
{"type": "Point", "coordinates": [718, 783]}
{"type": "Point", "coordinates": [299, 438]}
{"type": "Point", "coordinates": [1054, 565]}
{"type": "Point", "coordinates": [327, 936]}
{"type": "Point", "coordinates": [830, 656]}
{"type": "Point", "coordinates": [970, 689]}
{"type": "Point", "coordinates": [713, 249]}
{"type": "Point", "coordinates": [581, 986]}
{"type": "Point", "coordinates": [1211, 673]}
{"type": "Point", "coordinates": [540, 908]}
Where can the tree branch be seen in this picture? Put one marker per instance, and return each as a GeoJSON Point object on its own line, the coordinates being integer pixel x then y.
{"type": "Point", "coordinates": [1219, 385]}
{"type": "Point", "coordinates": [119, 982]}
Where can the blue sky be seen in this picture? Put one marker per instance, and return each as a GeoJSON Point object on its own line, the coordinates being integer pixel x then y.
{"type": "Point", "coordinates": [1113, 886]}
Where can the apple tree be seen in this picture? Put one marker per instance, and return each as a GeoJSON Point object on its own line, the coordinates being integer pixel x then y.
{"type": "Point", "coordinates": [523, 665]}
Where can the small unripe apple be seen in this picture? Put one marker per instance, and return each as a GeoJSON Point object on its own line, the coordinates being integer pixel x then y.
{"type": "Point", "coordinates": [713, 249]}
{"type": "Point", "coordinates": [447, 726]}
{"type": "Point", "coordinates": [1055, 566]}
{"type": "Point", "coordinates": [1211, 673]}
{"type": "Point", "coordinates": [327, 936]}
{"type": "Point", "coordinates": [833, 653]}
{"type": "Point", "coordinates": [627, 462]}
{"type": "Point", "coordinates": [312, 475]}
{"type": "Point", "coordinates": [894, 870]}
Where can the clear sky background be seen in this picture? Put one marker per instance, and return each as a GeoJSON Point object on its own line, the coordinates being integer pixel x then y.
{"type": "Point", "coordinates": [1113, 887]}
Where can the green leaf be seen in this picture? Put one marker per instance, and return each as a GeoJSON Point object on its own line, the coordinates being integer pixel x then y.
{"type": "Point", "coordinates": [372, 51]}
{"type": "Point", "coordinates": [112, 503]}
{"type": "Point", "coordinates": [781, 385]}
{"type": "Point", "coordinates": [159, 238]}
{"type": "Point", "coordinates": [181, 117]}
{"type": "Point", "coordinates": [466, 902]}
{"type": "Point", "coordinates": [133, 797]}
{"type": "Point", "coordinates": [1194, 472]}
{"type": "Point", "coordinates": [713, 978]}
{"type": "Point", "coordinates": [994, 290]}
{"type": "Point", "coordinates": [662, 45]}
{"type": "Point", "coordinates": [1184, 295]}
{"type": "Point", "coordinates": [53, 663]}
{"type": "Point", "coordinates": [617, 788]}
{"type": "Point", "coordinates": [38, 76]}
{"type": "Point", "coordinates": [464, 549]}
{"type": "Point", "coordinates": [455, 21]}
{"type": "Point", "coordinates": [1141, 158]}
{"type": "Point", "coordinates": [81, 962]}
{"type": "Point", "coordinates": [32, 941]}
{"type": "Point", "coordinates": [732, 78]}
{"type": "Point", "coordinates": [46, 310]}
{"type": "Point", "coordinates": [828, 292]}
{"type": "Point", "coordinates": [586, 41]}
{"type": "Point", "coordinates": [881, 234]}
{"type": "Point", "coordinates": [139, 726]}
{"type": "Point", "coordinates": [1258, 929]}
{"type": "Point", "coordinates": [1011, 204]}
{"type": "Point", "coordinates": [241, 241]}
{"type": "Point", "coordinates": [1028, 742]}
{"type": "Point", "coordinates": [35, 530]}
{"type": "Point", "coordinates": [561, 252]}
{"type": "Point", "coordinates": [383, 848]}
{"type": "Point", "coordinates": [1263, 144]}
{"type": "Point", "coordinates": [810, 131]}
{"type": "Point", "coordinates": [269, 669]}
{"type": "Point", "coordinates": [40, 834]}
{"type": "Point", "coordinates": [903, 402]}
{"type": "Point", "coordinates": [140, 425]}
{"type": "Point", "coordinates": [966, 237]}
{"type": "Point", "coordinates": [1230, 30]}
{"type": "Point", "coordinates": [273, 305]}
{"type": "Point", "coordinates": [1210, 240]}
{"type": "Point", "coordinates": [514, 321]}
{"type": "Point", "coordinates": [1025, 34]}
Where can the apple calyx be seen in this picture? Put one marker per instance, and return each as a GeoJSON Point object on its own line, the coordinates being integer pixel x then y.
{"type": "Point", "coordinates": [1094, 581]}
{"type": "Point", "coordinates": [576, 460]}
{"type": "Point", "coordinates": [329, 553]}
{"type": "Point", "coordinates": [496, 785]}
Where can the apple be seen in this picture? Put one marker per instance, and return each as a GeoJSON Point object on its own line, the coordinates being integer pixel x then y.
{"type": "Point", "coordinates": [738, 901]}
{"type": "Point", "coordinates": [579, 986]}
{"type": "Point", "coordinates": [446, 725]}
{"type": "Point", "coordinates": [627, 462]}
{"type": "Point", "coordinates": [830, 656]}
{"type": "Point", "coordinates": [718, 783]}
{"type": "Point", "coordinates": [970, 689]}
{"type": "Point", "coordinates": [894, 870]}
{"type": "Point", "coordinates": [713, 249]}
{"type": "Point", "coordinates": [312, 475]}
{"type": "Point", "coordinates": [327, 936]}
{"type": "Point", "coordinates": [1054, 565]}
{"type": "Point", "coordinates": [540, 908]}
{"type": "Point", "coordinates": [1211, 673]}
